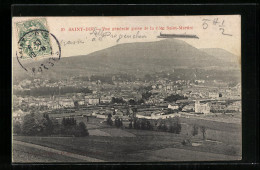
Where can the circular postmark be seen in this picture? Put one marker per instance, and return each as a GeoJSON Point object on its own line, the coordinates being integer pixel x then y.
{"type": "Point", "coordinates": [38, 50]}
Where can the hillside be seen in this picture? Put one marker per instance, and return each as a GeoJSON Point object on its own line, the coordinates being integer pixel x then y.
{"type": "Point", "coordinates": [137, 58]}
{"type": "Point", "coordinates": [222, 55]}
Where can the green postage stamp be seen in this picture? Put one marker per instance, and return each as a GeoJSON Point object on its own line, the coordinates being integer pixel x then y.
{"type": "Point", "coordinates": [34, 40]}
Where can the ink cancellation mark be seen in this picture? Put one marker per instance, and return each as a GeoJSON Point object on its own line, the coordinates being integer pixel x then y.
{"type": "Point", "coordinates": [36, 44]}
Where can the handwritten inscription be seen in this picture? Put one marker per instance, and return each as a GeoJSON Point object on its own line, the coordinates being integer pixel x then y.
{"type": "Point", "coordinates": [215, 22]}
{"type": "Point", "coordinates": [65, 43]}
{"type": "Point", "coordinates": [99, 34]}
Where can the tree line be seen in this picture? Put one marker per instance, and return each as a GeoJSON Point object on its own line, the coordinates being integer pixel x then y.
{"type": "Point", "coordinates": [41, 125]}
{"type": "Point", "coordinates": [108, 78]}
{"type": "Point", "coordinates": [174, 98]}
{"type": "Point", "coordinates": [42, 91]}
{"type": "Point", "coordinates": [171, 125]}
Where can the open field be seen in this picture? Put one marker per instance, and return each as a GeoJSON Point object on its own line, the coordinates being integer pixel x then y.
{"type": "Point", "coordinates": [228, 133]}
{"type": "Point", "coordinates": [176, 154]}
{"type": "Point", "coordinates": [22, 154]}
{"type": "Point", "coordinates": [216, 125]}
{"type": "Point", "coordinates": [134, 146]}
{"type": "Point", "coordinates": [28, 152]}
{"type": "Point", "coordinates": [106, 143]}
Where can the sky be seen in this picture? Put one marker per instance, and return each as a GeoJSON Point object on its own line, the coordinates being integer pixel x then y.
{"type": "Point", "coordinates": [215, 31]}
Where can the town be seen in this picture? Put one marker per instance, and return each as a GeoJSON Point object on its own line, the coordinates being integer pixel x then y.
{"type": "Point", "coordinates": [123, 95]}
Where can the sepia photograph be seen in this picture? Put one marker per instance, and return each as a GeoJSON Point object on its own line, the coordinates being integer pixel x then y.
{"type": "Point", "coordinates": [126, 89]}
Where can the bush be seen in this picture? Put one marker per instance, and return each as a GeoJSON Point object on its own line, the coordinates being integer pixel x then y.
{"type": "Point", "coordinates": [175, 125]}
{"type": "Point", "coordinates": [186, 142]}
{"type": "Point", "coordinates": [17, 128]}
{"type": "Point", "coordinates": [146, 95]}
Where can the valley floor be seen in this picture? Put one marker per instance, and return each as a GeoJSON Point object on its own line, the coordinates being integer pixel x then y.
{"type": "Point", "coordinates": [110, 144]}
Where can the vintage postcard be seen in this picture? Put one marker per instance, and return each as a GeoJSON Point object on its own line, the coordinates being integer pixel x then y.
{"type": "Point", "coordinates": [126, 89]}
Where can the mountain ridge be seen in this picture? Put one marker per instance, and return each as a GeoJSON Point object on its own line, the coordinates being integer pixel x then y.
{"type": "Point", "coordinates": [222, 54]}
{"type": "Point", "coordinates": [139, 58]}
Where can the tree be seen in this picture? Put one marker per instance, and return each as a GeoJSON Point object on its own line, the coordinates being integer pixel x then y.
{"type": "Point", "coordinates": [117, 100]}
{"type": "Point", "coordinates": [76, 104]}
{"type": "Point", "coordinates": [118, 122]}
{"type": "Point", "coordinates": [57, 128]}
{"type": "Point", "coordinates": [47, 125]}
{"type": "Point", "coordinates": [186, 142]}
{"type": "Point", "coordinates": [127, 112]}
{"type": "Point", "coordinates": [174, 98]}
{"type": "Point", "coordinates": [134, 111]}
{"type": "Point", "coordinates": [143, 124]}
{"type": "Point", "coordinates": [146, 95]}
{"type": "Point", "coordinates": [29, 126]}
{"type": "Point", "coordinates": [37, 124]}
{"type": "Point", "coordinates": [162, 126]}
{"type": "Point", "coordinates": [131, 124]}
{"type": "Point", "coordinates": [148, 125]}
{"type": "Point", "coordinates": [121, 123]}
{"type": "Point", "coordinates": [132, 102]}
{"type": "Point", "coordinates": [195, 130]}
{"type": "Point", "coordinates": [67, 122]}
{"type": "Point", "coordinates": [82, 129]}
{"type": "Point", "coordinates": [137, 124]}
{"type": "Point", "coordinates": [203, 131]}
{"type": "Point", "coordinates": [109, 120]}
{"type": "Point", "coordinates": [177, 125]}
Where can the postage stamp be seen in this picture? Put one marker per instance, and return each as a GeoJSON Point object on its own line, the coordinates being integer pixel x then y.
{"type": "Point", "coordinates": [37, 48]}
{"type": "Point", "coordinates": [33, 43]}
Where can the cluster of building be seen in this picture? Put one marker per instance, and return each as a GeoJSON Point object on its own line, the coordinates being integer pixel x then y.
{"type": "Point", "coordinates": [200, 99]}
